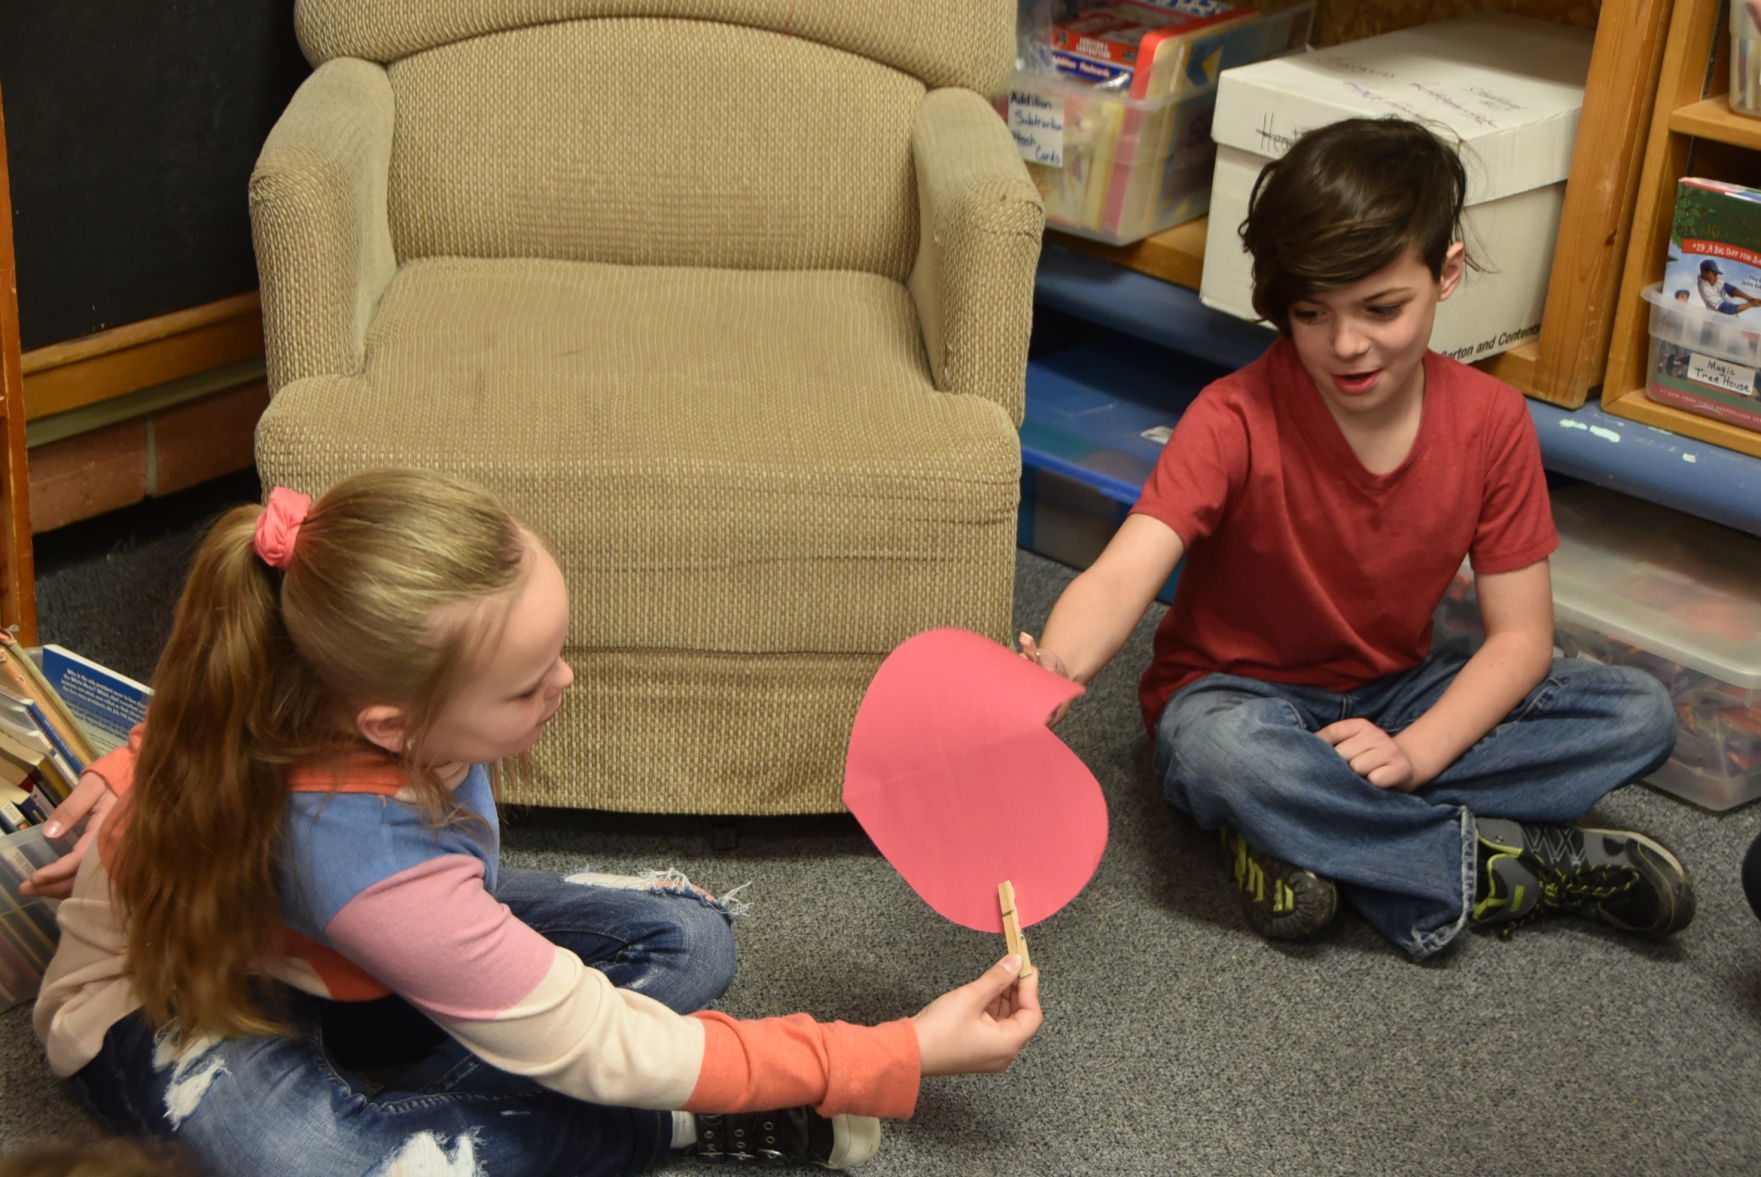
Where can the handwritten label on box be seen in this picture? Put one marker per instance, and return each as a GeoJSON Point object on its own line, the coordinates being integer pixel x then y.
{"type": "Point", "coordinates": [1717, 373]}
{"type": "Point", "coordinates": [1037, 122]}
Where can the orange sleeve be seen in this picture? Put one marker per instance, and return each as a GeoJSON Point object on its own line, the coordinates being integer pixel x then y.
{"type": "Point", "coordinates": [784, 1062]}
{"type": "Point", "coordinates": [117, 767]}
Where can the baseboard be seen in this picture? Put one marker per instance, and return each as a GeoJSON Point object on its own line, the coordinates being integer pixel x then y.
{"type": "Point", "coordinates": [98, 367]}
{"type": "Point", "coordinates": [154, 454]}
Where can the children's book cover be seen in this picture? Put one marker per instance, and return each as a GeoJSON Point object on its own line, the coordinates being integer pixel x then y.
{"type": "Point", "coordinates": [1715, 247]}
{"type": "Point", "coordinates": [107, 705]}
{"type": "Point", "coordinates": [1707, 314]}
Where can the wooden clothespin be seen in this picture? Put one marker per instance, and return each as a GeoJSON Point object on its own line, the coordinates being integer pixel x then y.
{"type": "Point", "coordinates": [1012, 927]}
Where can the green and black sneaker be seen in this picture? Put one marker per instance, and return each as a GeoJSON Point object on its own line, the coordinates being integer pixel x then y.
{"type": "Point", "coordinates": [1619, 877]}
{"type": "Point", "coordinates": [781, 1137]}
{"type": "Point", "coordinates": [1283, 902]}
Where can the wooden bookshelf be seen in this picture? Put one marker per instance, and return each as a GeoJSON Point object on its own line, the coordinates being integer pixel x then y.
{"type": "Point", "coordinates": [1566, 363]}
{"type": "Point", "coordinates": [18, 592]}
{"type": "Point", "coordinates": [1690, 112]}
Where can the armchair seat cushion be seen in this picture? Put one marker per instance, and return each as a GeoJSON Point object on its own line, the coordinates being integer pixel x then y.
{"type": "Point", "coordinates": [728, 460]}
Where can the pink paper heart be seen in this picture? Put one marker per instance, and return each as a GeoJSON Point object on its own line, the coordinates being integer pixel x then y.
{"type": "Point", "coordinates": [955, 776]}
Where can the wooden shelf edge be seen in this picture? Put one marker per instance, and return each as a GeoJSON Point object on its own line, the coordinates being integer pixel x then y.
{"type": "Point", "coordinates": [1175, 255]}
{"type": "Point", "coordinates": [67, 376]}
{"type": "Point", "coordinates": [1634, 405]}
{"type": "Point", "coordinates": [1712, 118]}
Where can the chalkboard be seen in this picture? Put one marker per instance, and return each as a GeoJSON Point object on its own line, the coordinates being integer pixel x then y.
{"type": "Point", "coordinates": [131, 129]}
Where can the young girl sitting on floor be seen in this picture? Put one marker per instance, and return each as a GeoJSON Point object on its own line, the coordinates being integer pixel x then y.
{"type": "Point", "coordinates": [299, 886]}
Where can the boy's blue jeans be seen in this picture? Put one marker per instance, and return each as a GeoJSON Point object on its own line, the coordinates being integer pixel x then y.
{"type": "Point", "coordinates": [291, 1106]}
{"type": "Point", "coordinates": [1241, 753]}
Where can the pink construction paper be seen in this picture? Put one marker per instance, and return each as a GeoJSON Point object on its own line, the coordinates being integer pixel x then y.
{"type": "Point", "coordinates": [954, 774]}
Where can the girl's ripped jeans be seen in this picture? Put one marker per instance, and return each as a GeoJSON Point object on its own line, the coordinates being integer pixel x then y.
{"type": "Point", "coordinates": [376, 1088]}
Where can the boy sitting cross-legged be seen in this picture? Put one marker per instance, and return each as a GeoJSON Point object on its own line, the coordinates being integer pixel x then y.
{"type": "Point", "coordinates": [1324, 497]}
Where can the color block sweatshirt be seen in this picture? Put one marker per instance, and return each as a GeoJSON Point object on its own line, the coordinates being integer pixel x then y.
{"type": "Point", "coordinates": [376, 901]}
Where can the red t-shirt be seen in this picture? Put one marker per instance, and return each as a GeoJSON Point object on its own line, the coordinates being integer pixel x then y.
{"type": "Point", "coordinates": [1304, 567]}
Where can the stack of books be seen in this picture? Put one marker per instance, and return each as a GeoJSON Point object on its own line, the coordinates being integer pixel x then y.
{"type": "Point", "coordinates": [58, 713]}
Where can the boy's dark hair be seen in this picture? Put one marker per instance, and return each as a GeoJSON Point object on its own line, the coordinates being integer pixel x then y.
{"type": "Point", "coordinates": [1346, 200]}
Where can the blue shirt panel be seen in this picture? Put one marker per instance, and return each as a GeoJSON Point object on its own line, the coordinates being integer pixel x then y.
{"type": "Point", "coordinates": [337, 844]}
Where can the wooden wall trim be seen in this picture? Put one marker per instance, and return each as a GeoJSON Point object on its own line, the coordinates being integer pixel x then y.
{"type": "Point", "coordinates": [106, 364]}
{"type": "Point", "coordinates": [18, 585]}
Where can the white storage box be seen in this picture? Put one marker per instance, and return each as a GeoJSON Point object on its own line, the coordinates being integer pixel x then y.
{"type": "Point", "coordinates": [1635, 584]}
{"type": "Point", "coordinates": [1509, 87]}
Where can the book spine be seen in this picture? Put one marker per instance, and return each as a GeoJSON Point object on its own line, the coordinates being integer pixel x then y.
{"type": "Point", "coordinates": [18, 665]}
{"type": "Point", "coordinates": [34, 812]}
{"type": "Point", "coordinates": [61, 752]}
{"type": "Point", "coordinates": [27, 926]}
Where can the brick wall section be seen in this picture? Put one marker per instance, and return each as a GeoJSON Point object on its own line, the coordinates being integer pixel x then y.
{"type": "Point", "coordinates": [86, 475]}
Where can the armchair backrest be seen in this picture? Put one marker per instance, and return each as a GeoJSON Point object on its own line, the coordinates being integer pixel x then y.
{"type": "Point", "coordinates": [764, 134]}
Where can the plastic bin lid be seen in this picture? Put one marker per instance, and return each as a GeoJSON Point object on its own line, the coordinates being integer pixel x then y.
{"type": "Point", "coordinates": [1695, 327]}
{"type": "Point", "coordinates": [1668, 583]}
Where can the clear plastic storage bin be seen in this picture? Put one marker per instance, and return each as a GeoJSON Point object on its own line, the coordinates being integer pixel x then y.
{"type": "Point", "coordinates": [1111, 167]}
{"type": "Point", "coordinates": [1745, 61]}
{"type": "Point", "coordinates": [1704, 361]}
{"type": "Point", "coordinates": [1635, 584]}
{"type": "Point", "coordinates": [1132, 155]}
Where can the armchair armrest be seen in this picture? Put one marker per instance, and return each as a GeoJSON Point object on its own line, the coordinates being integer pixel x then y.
{"type": "Point", "coordinates": [318, 220]}
{"type": "Point", "coordinates": [980, 220]}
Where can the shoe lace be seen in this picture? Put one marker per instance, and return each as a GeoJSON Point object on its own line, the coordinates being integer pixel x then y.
{"type": "Point", "coordinates": [1566, 888]}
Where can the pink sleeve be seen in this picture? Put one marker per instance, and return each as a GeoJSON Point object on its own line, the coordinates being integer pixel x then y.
{"type": "Point", "coordinates": [783, 1062]}
{"type": "Point", "coordinates": [472, 965]}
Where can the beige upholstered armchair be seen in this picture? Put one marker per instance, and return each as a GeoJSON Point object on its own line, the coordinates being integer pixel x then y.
{"type": "Point", "coordinates": [730, 298]}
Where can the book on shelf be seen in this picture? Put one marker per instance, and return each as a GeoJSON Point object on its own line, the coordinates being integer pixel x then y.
{"type": "Point", "coordinates": [25, 797]}
{"type": "Point", "coordinates": [27, 925]}
{"type": "Point", "coordinates": [104, 704]}
{"type": "Point", "coordinates": [20, 675]}
{"type": "Point", "coordinates": [25, 739]}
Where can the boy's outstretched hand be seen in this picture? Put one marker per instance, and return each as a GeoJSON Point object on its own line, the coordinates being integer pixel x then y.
{"type": "Point", "coordinates": [1046, 660]}
{"type": "Point", "coordinates": [981, 1026]}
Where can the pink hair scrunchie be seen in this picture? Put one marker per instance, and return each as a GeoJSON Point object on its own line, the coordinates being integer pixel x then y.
{"type": "Point", "coordinates": [279, 525]}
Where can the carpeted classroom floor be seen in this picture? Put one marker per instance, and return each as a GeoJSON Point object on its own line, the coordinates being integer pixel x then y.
{"type": "Point", "coordinates": [1177, 1042]}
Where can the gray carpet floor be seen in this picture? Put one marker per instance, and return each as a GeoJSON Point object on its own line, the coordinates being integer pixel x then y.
{"type": "Point", "coordinates": [1176, 1041]}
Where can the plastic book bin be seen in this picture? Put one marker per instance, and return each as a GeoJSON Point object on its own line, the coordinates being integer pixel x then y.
{"type": "Point", "coordinates": [1130, 156]}
{"type": "Point", "coordinates": [1635, 584]}
{"type": "Point", "coordinates": [1098, 414]}
{"type": "Point", "coordinates": [1704, 361]}
{"type": "Point", "coordinates": [1121, 168]}
{"type": "Point", "coordinates": [1745, 61]}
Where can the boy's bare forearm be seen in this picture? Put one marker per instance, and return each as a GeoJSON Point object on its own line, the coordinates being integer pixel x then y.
{"type": "Point", "coordinates": [1095, 615]}
{"type": "Point", "coordinates": [1090, 623]}
{"type": "Point", "coordinates": [1489, 685]}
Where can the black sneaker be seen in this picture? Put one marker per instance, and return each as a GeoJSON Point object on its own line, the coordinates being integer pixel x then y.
{"type": "Point", "coordinates": [783, 1137]}
{"type": "Point", "coordinates": [1622, 878]}
{"type": "Point", "coordinates": [1283, 902]}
